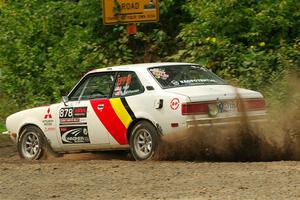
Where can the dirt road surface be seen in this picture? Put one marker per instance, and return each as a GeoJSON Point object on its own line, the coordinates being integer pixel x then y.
{"type": "Point", "coordinates": [113, 176]}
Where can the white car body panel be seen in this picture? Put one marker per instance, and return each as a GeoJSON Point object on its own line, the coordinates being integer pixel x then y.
{"type": "Point", "coordinates": [147, 110]}
{"type": "Point", "coordinates": [213, 92]}
{"type": "Point", "coordinates": [35, 116]}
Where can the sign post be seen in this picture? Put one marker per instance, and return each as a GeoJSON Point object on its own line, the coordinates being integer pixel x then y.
{"type": "Point", "coordinates": [131, 29]}
{"type": "Point", "coordinates": [130, 11]}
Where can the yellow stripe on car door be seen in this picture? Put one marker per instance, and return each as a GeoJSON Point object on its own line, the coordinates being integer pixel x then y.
{"type": "Point", "coordinates": [121, 111]}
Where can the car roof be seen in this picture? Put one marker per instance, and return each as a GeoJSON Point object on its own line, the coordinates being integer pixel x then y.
{"type": "Point", "coordinates": [134, 67]}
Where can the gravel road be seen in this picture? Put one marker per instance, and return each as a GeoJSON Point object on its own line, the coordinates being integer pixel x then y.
{"type": "Point", "coordinates": [113, 176]}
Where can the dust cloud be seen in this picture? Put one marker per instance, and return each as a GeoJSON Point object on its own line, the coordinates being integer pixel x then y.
{"type": "Point", "coordinates": [278, 138]}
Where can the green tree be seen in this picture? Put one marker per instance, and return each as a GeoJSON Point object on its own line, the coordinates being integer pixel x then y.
{"type": "Point", "coordinates": [250, 42]}
{"type": "Point", "coordinates": [46, 46]}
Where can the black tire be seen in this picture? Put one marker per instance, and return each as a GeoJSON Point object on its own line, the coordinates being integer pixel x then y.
{"type": "Point", "coordinates": [31, 145]}
{"type": "Point", "coordinates": [143, 141]}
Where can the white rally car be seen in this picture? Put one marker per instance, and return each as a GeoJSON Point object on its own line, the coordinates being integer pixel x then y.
{"type": "Point", "coordinates": [131, 107]}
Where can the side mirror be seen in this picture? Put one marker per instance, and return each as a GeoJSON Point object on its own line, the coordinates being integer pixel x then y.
{"type": "Point", "coordinates": [65, 99]}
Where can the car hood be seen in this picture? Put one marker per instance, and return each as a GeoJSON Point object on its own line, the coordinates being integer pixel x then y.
{"type": "Point", "coordinates": [214, 92]}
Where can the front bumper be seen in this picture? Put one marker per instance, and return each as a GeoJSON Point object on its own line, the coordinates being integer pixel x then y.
{"type": "Point", "coordinates": [12, 135]}
{"type": "Point", "coordinates": [6, 133]}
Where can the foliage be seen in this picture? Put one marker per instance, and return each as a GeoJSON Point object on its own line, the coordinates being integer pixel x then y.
{"type": "Point", "coordinates": [248, 42]}
{"type": "Point", "coordinates": [155, 42]}
{"type": "Point", "coordinates": [46, 46]}
{"type": "Point", "coordinates": [2, 128]}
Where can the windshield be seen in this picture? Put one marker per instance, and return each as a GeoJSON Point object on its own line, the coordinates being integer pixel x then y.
{"type": "Point", "coordinates": [184, 75]}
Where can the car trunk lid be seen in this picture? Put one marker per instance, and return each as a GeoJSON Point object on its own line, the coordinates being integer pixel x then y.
{"type": "Point", "coordinates": [214, 92]}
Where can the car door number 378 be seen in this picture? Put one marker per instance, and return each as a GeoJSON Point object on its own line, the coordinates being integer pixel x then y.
{"type": "Point", "coordinates": [66, 113]}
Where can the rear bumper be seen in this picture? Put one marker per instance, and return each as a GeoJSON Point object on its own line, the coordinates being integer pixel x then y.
{"type": "Point", "coordinates": [209, 122]}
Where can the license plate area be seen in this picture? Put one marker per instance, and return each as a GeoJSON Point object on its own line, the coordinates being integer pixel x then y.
{"type": "Point", "coordinates": [228, 106]}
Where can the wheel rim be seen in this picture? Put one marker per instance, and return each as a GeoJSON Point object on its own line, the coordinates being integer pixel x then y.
{"type": "Point", "coordinates": [143, 143]}
{"type": "Point", "coordinates": [30, 145]}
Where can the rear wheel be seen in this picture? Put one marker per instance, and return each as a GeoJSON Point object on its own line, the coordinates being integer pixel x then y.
{"type": "Point", "coordinates": [143, 140]}
{"type": "Point", "coordinates": [31, 143]}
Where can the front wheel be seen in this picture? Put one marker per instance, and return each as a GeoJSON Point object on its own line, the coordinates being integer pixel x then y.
{"type": "Point", "coordinates": [143, 140]}
{"type": "Point", "coordinates": [31, 144]}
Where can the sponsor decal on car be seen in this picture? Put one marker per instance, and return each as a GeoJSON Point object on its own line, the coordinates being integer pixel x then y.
{"type": "Point", "coordinates": [69, 120]}
{"type": "Point", "coordinates": [198, 81]}
{"type": "Point", "coordinates": [49, 129]}
{"type": "Point", "coordinates": [77, 112]}
{"type": "Point", "coordinates": [159, 73]}
{"type": "Point", "coordinates": [122, 86]}
{"type": "Point", "coordinates": [174, 104]}
{"type": "Point", "coordinates": [74, 135]}
{"type": "Point", "coordinates": [80, 112]}
{"type": "Point", "coordinates": [48, 121]}
{"type": "Point", "coordinates": [48, 115]}
{"type": "Point", "coordinates": [73, 115]}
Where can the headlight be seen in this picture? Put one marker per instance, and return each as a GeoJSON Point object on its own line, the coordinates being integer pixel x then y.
{"type": "Point", "coordinates": [213, 110]}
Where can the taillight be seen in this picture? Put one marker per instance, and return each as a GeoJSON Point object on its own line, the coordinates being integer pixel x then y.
{"type": "Point", "coordinates": [194, 108]}
{"type": "Point", "coordinates": [255, 104]}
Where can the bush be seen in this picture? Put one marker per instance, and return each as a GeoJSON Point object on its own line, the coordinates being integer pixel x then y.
{"type": "Point", "coordinates": [251, 43]}
{"type": "Point", "coordinates": [46, 46]}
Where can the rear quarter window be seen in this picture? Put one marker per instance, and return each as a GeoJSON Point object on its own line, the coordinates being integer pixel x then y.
{"type": "Point", "coordinates": [127, 84]}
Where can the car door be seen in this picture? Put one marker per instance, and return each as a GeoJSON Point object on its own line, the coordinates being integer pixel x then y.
{"type": "Point", "coordinates": [115, 113]}
{"type": "Point", "coordinates": [80, 125]}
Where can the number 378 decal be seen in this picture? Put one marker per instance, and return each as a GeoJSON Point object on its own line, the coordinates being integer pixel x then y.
{"type": "Point", "coordinates": [77, 112]}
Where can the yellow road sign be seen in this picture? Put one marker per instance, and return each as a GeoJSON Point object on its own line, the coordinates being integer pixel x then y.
{"type": "Point", "coordinates": [129, 11]}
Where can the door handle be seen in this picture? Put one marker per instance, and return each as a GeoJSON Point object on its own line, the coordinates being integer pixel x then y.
{"type": "Point", "coordinates": [100, 107]}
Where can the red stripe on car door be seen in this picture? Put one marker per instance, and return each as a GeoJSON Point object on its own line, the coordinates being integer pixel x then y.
{"type": "Point", "coordinates": [110, 120]}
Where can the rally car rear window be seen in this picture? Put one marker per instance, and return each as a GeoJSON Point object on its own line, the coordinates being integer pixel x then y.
{"type": "Point", "coordinates": [184, 75]}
